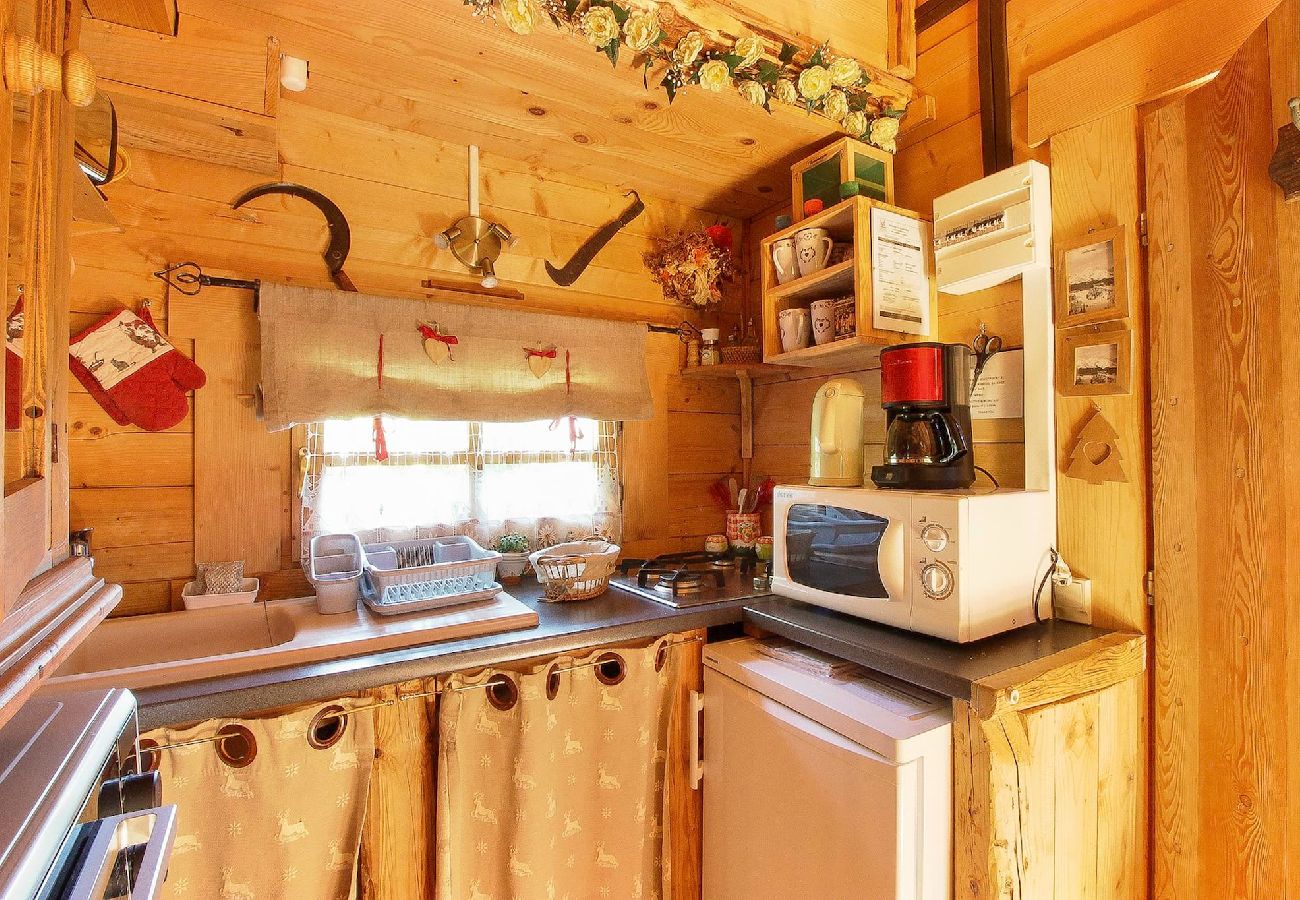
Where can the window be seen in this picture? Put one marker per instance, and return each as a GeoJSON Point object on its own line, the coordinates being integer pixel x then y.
{"type": "Point", "coordinates": [478, 478]}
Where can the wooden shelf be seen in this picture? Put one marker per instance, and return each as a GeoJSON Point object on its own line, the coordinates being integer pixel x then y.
{"type": "Point", "coordinates": [832, 281]}
{"type": "Point", "coordinates": [847, 222]}
{"type": "Point", "coordinates": [863, 352]}
{"type": "Point", "coordinates": [733, 370]}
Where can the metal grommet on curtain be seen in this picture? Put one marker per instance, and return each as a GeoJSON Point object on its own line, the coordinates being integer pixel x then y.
{"type": "Point", "coordinates": [327, 727]}
{"type": "Point", "coordinates": [610, 668]}
{"type": "Point", "coordinates": [236, 746]}
{"type": "Point", "coordinates": [661, 656]}
{"type": "Point", "coordinates": [502, 692]}
{"type": "Point", "coordinates": [146, 757]}
{"type": "Point", "coordinates": [553, 681]}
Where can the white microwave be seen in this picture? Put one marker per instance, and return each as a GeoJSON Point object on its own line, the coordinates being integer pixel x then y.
{"type": "Point", "coordinates": [958, 566]}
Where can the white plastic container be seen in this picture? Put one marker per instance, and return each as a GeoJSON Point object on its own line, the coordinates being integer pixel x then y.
{"type": "Point", "coordinates": [194, 600]}
{"type": "Point", "coordinates": [336, 564]}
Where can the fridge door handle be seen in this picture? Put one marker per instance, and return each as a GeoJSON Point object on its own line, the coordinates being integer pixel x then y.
{"type": "Point", "coordinates": [695, 713]}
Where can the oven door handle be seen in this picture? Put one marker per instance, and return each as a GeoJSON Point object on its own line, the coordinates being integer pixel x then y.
{"type": "Point", "coordinates": [107, 852]}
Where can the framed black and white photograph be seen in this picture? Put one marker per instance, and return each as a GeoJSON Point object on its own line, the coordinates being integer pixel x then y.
{"type": "Point", "coordinates": [1092, 278]}
{"type": "Point", "coordinates": [1094, 361]}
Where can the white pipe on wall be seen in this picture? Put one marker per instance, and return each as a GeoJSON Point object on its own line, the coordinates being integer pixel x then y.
{"type": "Point", "coordinates": [473, 180]}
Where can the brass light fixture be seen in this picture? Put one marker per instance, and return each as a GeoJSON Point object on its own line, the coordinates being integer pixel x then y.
{"type": "Point", "coordinates": [474, 241]}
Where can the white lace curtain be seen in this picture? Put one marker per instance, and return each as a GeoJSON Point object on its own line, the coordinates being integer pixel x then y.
{"type": "Point", "coordinates": [470, 478]}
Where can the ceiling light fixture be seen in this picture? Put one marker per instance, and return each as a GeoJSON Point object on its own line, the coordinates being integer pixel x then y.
{"type": "Point", "coordinates": [474, 241]}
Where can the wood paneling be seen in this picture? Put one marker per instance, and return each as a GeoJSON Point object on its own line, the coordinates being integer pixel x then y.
{"type": "Point", "coordinates": [1044, 782]}
{"type": "Point", "coordinates": [397, 836]}
{"type": "Point", "coordinates": [150, 15]}
{"type": "Point", "coordinates": [241, 471]}
{"type": "Point", "coordinates": [1095, 172]}
{"type": "Point", "coordinates": [1223, 332]}
{"type": "Point", "coordinates": [1167, 51]}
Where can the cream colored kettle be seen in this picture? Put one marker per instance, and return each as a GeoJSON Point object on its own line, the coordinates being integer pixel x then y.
{"type": "Point", "coordinates": [837, 434]}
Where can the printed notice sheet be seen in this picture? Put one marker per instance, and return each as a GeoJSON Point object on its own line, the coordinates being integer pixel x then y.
{"type": "Point", "coordinates": [1000, 392]}
{"type": "Point", "coordinates": [900, 280]}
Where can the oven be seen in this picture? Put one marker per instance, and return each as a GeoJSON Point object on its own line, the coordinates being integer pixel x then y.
{"type": "Point", "coordinates": [77, 821]}
{"type": "Point", "coordinates": [957, 565]}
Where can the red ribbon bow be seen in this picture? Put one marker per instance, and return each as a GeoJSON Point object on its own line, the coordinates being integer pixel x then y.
{"type": "Point", "coordinates": [430, 333]}
{"type": "Point", "coordinates": [545, 354]}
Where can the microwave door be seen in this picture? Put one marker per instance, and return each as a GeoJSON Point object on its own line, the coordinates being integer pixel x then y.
{"type": "Point", "coordinates": [843, 552]}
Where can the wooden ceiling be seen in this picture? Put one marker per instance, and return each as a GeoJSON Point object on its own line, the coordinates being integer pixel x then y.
{"type": "Point", "coordinates": [429, 67]}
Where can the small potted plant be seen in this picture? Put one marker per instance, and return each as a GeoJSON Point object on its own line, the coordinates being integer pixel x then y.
{"type": "Point", "coordinates": [513, 548]}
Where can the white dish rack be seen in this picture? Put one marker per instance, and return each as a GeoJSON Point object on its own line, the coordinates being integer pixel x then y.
{"type": "Point", "coordinates": [409, 576]}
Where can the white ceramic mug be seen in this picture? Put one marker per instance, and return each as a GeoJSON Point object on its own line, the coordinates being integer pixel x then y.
{"type": "Point", "coordinates": [784, 260]}
{"type": "Point", "coordinates": [796, 329]}
{"type": "Point", "coordinates": [813, 246]}
{"type": "Point", "coordinates": [823, 321]}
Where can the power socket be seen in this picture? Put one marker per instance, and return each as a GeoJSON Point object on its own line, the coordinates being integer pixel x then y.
{"type": "Point", "coordinates": [1072, 601]}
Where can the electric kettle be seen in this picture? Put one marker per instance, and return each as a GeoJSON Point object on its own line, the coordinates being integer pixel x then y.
{"type": "Point", "coordinates": [837, 434]}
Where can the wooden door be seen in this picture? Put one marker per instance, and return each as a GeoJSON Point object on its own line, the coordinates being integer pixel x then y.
{"type": "Point", "coordinates": [1224, 284]}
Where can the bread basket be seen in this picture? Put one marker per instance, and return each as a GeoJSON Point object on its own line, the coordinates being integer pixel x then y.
{"type": "Point", "coordinates": [577, 570]}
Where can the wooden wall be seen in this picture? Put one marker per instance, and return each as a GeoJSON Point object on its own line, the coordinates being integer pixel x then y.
{"type": "Point", "coordinates": [202, 126]}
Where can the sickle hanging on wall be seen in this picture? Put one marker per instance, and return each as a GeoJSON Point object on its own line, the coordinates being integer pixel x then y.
{"type": "Point", "coordinates": [336, 253]}
{"type": "Point", "coordinates": [569, 272]}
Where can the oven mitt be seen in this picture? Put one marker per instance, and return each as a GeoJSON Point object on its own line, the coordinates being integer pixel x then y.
{"type": "Point", "coordinates": [133, 372]}
{"type": "Point", "coordinates": [14, 368]}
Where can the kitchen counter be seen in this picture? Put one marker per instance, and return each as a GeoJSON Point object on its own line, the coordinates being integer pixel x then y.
{"type": "Point", "coordinates": [614, 617]}
{"type": "Point", "coordinates": [937, 665]}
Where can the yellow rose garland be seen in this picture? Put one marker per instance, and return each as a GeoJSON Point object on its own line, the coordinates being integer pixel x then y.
{"type": "Point", "coordinates": [830, 85]}
{"type": "Point", "coordinates": [600, 26]}
{"type": "Point", "coordinates": [814, 82]}
{"type": "Point", "coordinates": [714, 75]}
{"type": "Point", "coordinates": [753, 92]}
{"type": "Point", "coordinates": [519, 15]}
{"type": "Point", "coordinates": [641, 31]}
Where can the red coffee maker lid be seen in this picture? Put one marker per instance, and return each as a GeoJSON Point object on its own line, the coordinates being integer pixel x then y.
{"type": "Point", "coordinates": [912, 373]}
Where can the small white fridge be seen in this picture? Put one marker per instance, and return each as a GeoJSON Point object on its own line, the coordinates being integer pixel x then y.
{"type": "Point", "coordinates": [822, 781]}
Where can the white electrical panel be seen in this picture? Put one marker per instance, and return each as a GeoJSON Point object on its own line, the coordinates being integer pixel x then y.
{"type": "Point", "coordinates": [994, 229]}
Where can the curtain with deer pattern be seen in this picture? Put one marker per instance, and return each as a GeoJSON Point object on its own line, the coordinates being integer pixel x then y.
{"type": "Point", "coordinates": [551, 781]}
{"type": "Point", "coordinates": [280, 820]}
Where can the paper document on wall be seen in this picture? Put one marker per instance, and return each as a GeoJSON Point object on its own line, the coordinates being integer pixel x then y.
{"type": "Point", "coordinates": [1000, 392]}
{"type": "Point", "coordinates": [900, 278]}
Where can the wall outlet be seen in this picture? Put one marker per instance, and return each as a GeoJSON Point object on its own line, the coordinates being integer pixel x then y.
{"type": "Point", "coordinates": [1073, 601]}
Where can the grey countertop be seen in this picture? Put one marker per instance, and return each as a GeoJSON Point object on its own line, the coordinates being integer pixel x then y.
{"type": "Point", "coordinates": [616, 617]}
{"type": "Point", "coordinates": [937, 665]}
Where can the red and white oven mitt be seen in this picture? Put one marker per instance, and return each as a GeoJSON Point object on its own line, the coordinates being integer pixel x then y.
{"type": "Point", "coordinates": [134, 372]}
{"type": "Point", "coordinates": [14, 368]}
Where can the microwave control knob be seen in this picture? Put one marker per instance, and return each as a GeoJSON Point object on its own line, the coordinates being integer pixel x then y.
{"type": "Point", "coordinates": [935, 537]}
{"type": "Point", "coordinates": [936, 581]}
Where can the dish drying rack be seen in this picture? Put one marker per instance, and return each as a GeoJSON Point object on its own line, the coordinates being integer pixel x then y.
{"type": "Point", "coordinates": [410, 576]}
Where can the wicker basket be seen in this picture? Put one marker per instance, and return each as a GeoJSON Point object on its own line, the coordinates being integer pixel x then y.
{"type": "Point", "coordinates": [408, 576]}
{"type": "Point", "coordinates": [578, 570]}
{"type": "Point", "coordinates": [741, 354]}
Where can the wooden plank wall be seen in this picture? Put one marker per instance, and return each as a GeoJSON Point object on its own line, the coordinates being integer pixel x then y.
{"type": "Point", "coordinates": [398, 186]}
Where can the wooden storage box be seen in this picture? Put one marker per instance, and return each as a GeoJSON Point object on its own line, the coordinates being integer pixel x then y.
{"type": "Point", "coordinates": [848, 221]}
{"type": "Point", "coordinates": [821, 174]}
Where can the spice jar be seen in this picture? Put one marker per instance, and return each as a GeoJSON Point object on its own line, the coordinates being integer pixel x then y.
{"type": "Point", "coordinates": [711, 349]}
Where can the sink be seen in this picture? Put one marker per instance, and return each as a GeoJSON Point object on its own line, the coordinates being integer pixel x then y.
{"type": "Point", "coordinates": [171, 648]}
{"type": "Point", "coordinates": [154, 640]}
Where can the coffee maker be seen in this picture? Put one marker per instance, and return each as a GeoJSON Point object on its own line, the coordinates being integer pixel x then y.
{"type": "Point", "coordinates": [925, 390]}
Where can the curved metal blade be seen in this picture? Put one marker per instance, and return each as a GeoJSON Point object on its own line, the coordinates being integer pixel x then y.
{"type": "Point", "coordinates": [568, 273]}
{"type": "Point", "coordinates": [336, 254]}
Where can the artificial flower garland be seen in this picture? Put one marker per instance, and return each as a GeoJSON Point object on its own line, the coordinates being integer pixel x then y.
{"type": "Point", "coordinates": [834, 87]}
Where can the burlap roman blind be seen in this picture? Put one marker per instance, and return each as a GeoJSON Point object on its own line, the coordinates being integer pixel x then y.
{"type": "Point", "coordinates": [321, 361]}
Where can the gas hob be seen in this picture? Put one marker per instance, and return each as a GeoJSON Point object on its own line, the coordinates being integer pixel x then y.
{"type": "Point", "coordinates": [683, 580]}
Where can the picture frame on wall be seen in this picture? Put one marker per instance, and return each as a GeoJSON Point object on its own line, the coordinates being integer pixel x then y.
{"type": "Point", "coordinates": [1092, 278]}
{"type": "Point", "coordinates": [1094, 361]}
